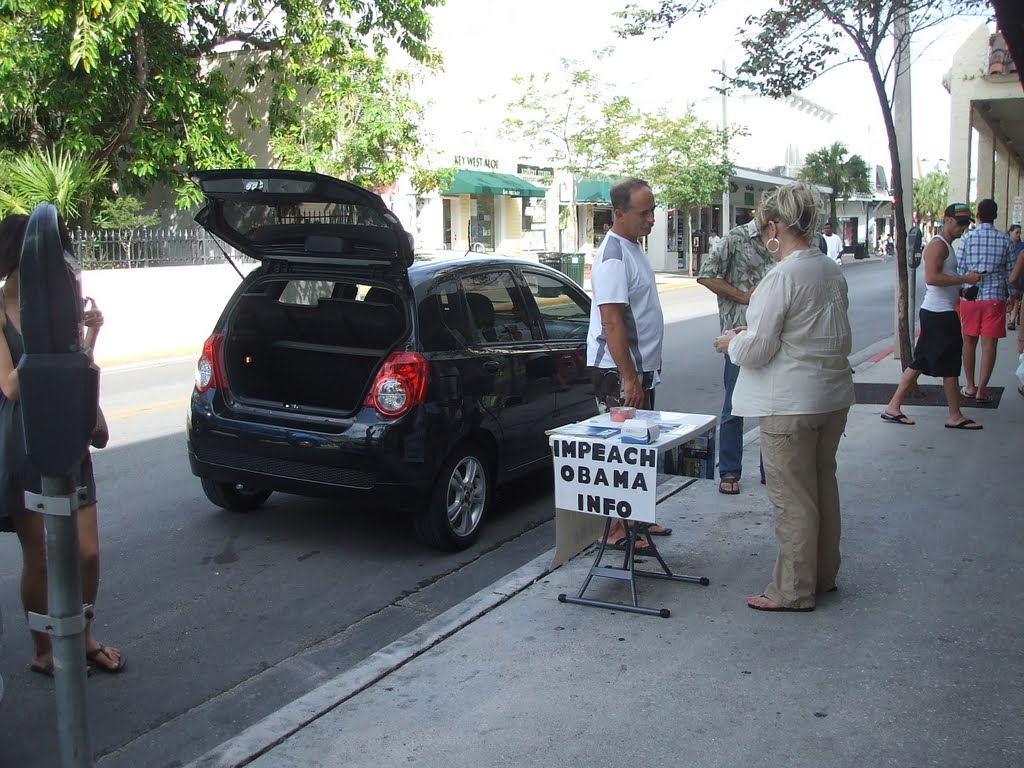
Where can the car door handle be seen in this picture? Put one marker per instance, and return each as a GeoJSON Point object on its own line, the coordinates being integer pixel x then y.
{"type": "Point", "coordinates": [491, 366]}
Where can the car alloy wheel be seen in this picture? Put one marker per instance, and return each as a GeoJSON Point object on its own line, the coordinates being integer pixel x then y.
{"type": "Point", "coordinates": [459, 502]}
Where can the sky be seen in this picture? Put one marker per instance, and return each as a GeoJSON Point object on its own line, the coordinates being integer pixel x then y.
{"type": "Point", "coordinates": [486, 43]}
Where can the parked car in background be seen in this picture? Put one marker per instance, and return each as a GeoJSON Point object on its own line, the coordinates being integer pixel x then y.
{"type": "Point", "coordinates": [344, 367]}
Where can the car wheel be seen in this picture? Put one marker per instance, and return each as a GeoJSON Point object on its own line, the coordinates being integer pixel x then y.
{"type": "Point", "coordinates": [459, 502]}
{"type": "Point", "coordinates": [234, 496]}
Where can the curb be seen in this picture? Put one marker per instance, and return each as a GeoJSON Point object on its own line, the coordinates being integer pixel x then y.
{"type": "Point", "coordinates": [276, 728]}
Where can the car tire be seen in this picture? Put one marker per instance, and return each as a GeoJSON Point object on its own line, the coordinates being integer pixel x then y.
{"type": "Point", "coordinates": [234, 496]}
{"type": "Point", "coordinates": [459, 503]}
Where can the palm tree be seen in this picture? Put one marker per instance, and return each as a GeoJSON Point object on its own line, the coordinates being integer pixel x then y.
{"type": "Point", "coordinates": [49, 176]}
{"type": "Point", "coordinates": [832, 167]}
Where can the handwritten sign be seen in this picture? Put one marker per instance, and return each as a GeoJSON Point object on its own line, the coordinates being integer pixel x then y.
{"type": "Point", "coordinates": [606, 479]}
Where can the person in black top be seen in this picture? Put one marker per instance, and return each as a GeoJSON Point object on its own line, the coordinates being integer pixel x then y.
{"type": "Point", "coordinates": [18, 476]}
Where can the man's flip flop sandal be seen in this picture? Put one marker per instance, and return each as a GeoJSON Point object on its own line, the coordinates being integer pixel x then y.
{"type": "Point", "coordinates": [968, 425]}
{"type": "Point", "coordinates": [898, 419]}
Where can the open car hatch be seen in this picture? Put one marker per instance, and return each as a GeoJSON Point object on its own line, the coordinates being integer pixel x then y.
{"type": "Point", "coordinates": [279, 215]}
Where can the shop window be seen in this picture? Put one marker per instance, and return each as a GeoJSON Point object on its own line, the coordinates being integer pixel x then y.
{"type": "Point", "coordinates": [482, 223]}
{"type": "Point", "coordinates": [603, 221]}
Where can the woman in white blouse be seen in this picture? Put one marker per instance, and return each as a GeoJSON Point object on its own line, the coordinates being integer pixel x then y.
{"type": "Point", "coordinates": [795, 375]}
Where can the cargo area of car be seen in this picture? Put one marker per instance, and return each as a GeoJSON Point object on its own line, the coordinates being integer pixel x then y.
{"type": "Point", "coordinates": [317, 353]}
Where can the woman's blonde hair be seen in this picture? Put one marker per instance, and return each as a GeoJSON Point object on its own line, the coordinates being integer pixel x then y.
{"type": "Point", "coordinates": [798, 205]}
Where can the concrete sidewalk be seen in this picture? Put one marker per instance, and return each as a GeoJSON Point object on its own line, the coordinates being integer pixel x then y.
{"type": "Point", "coordinates": [915, 661]}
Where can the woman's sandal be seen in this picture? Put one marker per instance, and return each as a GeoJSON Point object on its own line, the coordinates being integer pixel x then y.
{"type": "Point", "coordinates": [95, 654]}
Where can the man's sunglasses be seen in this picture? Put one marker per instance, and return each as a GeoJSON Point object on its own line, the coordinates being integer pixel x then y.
{"type": "Point", "coordinates": [963, 222]}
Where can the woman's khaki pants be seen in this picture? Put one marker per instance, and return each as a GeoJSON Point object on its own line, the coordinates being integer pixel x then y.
{"type": "Point", "coordinates": [800, 466]}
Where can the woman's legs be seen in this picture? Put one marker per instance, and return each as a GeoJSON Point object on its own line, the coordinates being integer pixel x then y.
{"type": "Point", "coordinates": [830, 525]}
{"type": "Point", "coordinates": [89, 554]}
{"type": "Point", "coordinates": [790, 445]}
{"type": "Point", "coordinates": [32, 537]}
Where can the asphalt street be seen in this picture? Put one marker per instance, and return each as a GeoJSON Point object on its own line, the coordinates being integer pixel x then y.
{"type": "Point", "coordinates": [225, 618]}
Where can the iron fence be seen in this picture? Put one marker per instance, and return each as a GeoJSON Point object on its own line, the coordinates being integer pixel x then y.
{"type": "Point", "coordinates": [149, 247]}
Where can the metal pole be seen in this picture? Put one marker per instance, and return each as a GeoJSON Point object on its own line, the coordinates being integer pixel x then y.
{"type": "Point", "coordinates": [901, 111]}
{"type": "Point", "coordinates": [66, 620]}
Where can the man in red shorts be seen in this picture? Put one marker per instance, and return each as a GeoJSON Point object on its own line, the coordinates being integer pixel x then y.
{"type": "Point", "coordinates": [987, 251]}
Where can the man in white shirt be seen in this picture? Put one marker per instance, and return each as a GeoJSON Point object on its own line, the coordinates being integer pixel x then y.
{"type": "Point", "coordinates": [626, 321]}
{"type": "Point", "coordinates": [834, 243]}
{"type": "Point", "coordinates": [713, 240]}
{"type": "Point", "coordinates": [627, 326]}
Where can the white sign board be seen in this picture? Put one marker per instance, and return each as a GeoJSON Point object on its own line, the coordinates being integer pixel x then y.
{"type": "Point", "coordinates": [1017, 217]}
{"type": "Point", "coordinates": [606, 479]}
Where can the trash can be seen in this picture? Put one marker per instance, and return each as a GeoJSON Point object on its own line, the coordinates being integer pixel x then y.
{"type": "Point", "coordinates": [570, 264]}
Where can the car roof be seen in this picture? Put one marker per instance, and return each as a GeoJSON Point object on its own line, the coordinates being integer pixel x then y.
{"type": "Point", "coordinates": [433, 265]}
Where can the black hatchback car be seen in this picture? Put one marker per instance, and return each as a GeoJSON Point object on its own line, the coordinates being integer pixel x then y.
{"type": "Point", "coordinates": [344, 367]}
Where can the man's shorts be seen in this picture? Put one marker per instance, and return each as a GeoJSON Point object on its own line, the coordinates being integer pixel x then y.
{"type": "Point", "coordinates": [984, 318]}
{"type": "Point", "coordinates": [940, 346]}
{"type": "Point", "coordinates": [608, 388]}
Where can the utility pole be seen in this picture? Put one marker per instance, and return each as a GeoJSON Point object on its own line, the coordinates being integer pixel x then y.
{"type": "Point", "coordinates": [901, 113]}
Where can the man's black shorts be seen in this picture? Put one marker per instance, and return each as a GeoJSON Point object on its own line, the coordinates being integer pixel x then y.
{"type": "Point", "coordinates": [939, 348]}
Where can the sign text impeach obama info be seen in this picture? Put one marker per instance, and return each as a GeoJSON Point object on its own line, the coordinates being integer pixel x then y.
{"type": "Point", "coordinates": [607, 479]}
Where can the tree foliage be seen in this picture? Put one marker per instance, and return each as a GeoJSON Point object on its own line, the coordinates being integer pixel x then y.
{"type": "Point", "coordinates": [585, 128]}
{"type": "Point", "coordinates": [572, 118]}
{"type": "Point", "coordinates": [835, 167]}
{"type": "Point", "coordinates": [931, 195]}
{"type": "Point", "coordinates": [790, 45]}
{"type": "Point", "coordinates": [683, 159]}
{"type": "Point", "coordinates": [50, 176]}
{"type": "Point", "coordinates": [130, 82]}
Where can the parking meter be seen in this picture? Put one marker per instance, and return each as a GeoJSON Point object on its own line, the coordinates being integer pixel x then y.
{"type": "Point", "coordinates": [915, 246]}
{"type": "Point", "coordinates": [59, 384]}
{"type": "Point", "coordinates": [59, 387]}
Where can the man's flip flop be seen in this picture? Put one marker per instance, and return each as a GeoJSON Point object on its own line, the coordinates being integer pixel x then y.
{"type": "Point", "coordinates": [762, 603]}
{"type": "Point", "coordinates": [898, 419]}
{"type": "Point", "coordinates": [727, 480]}
{"type": "Point", "coordinates": [964, 393]}
{"type": "Point", "coordinates": [982, 400]}
{"type": "Point", "coordinates": [649, 528]}
{"type": "Point", "coordinates": [640, 548]}
{"type": "Point", "coordinates": [967, 424]}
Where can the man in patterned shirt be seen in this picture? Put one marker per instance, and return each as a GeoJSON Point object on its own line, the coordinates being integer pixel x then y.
{"type": "Point", "coordinates": [731, 271]}
{"type": "Point", "coordinates": [985, 250]}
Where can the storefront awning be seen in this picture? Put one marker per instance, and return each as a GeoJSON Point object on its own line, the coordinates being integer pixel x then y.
{"type": "Point", "coordinates": [593, 192]}
{"type": "Point", "coordinates": [487, 183]}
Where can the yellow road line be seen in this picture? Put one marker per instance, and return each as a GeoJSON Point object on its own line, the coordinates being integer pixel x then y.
{"type": "Point", "coordinates": [127, 413]}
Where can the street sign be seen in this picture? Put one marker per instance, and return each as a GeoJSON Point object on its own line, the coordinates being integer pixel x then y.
{"type": "Point", "coordinates": [1017, 216]}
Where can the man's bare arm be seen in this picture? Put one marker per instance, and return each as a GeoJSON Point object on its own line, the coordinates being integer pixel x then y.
{"type": "Point", "coordinates": [720, 287]}
{"type": "Point", "coordinates": [614, 326]}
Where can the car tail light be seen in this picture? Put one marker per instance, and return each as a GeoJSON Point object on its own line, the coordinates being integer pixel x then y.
{"type": "Point", "coordinates": [210, 368]}
{"type": "Point", "coordinates": [400, 384]}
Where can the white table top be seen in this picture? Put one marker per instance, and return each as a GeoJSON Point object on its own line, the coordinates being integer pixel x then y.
{"type": "Point", "coordinates": [675, 428]}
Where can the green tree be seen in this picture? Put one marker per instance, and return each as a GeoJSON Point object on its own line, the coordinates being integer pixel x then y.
{"type": "Point", "coordinates": [132, 82]}
{"type": "Point", "coordinates": [359, 123]}
{"type": "Point", "coordinates": [572, 117]}
{"type": "Point", "coordinates": [683, 159]}
{"type": "Point", "coordinates": [931, 193]}
{"type": "Point", "coordinates": [123, 214]}
{"type": "Point", "coordinates": [55, 176]}
{"type": "Point", "coordinates": [832, 167]}
{"type": "Point", "coordinates": [792, 43]}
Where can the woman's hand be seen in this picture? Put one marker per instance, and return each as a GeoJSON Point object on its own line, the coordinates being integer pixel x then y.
{"type": "Point", "coordinates": [721, 344]}
{"type": "Point", "coordinates": [92, 318]}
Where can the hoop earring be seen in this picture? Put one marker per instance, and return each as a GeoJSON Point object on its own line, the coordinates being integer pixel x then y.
{"type": "Point", "coordinates": [768, 245]}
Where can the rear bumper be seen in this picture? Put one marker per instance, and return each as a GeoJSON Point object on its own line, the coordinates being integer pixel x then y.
{"type": "Point", "coordinates": [368, 455]}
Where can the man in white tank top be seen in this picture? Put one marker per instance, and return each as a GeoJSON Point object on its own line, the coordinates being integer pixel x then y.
{"type": "Point", "coordinates": [939, 348]}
